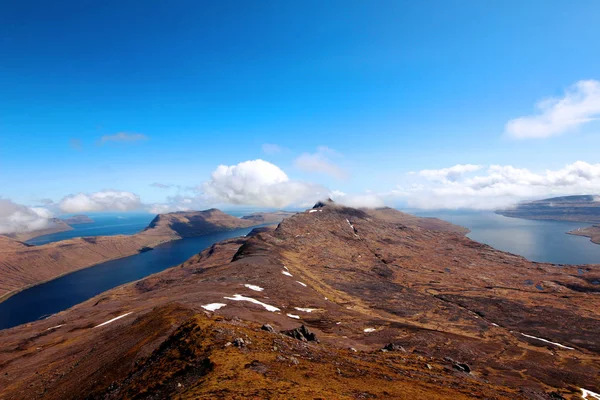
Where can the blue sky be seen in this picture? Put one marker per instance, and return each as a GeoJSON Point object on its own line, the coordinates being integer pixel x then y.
{"type": "Point", "coordinates": [388, 87]}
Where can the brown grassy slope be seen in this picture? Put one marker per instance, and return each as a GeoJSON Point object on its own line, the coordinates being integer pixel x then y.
{"type": "Point", "coordinates": [438, 294]}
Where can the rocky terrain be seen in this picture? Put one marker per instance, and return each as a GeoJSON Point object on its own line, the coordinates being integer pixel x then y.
{"type": "Point", "coordinates": [22, 266]}
{"type": "Point", "coordinates": [333, 303]}
{"type": "Point", "coordinates": [584, 208]}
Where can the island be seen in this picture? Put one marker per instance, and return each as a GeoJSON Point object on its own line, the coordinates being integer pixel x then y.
{"type": "Point", "coordinates": [582, 208]}
{"type": "Point", "coordinates": [78, 219]}
{"type": "Point", "coordinates": [22, 265]}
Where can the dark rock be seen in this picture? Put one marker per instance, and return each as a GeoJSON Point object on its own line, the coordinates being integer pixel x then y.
{"type": "Point", "coordinates": [302, 333]}
{"type": "Point", "coordinates": [268, 328]}
{"type": "Point", "coordinates": [239, 342]}
{"type": "Point", "coordinates": [394, 347]}
{"type": "Point", "coordinates": [257, 366]}
{"type": "Point", "coordinates": [556, 396]}
{"type": "Point", "coordinates": [462, 367]}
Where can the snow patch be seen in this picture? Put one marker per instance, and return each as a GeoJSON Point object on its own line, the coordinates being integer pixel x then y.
{"type": "Point", "coordinates": [55, 327]}
{"type": "Point", "coordinates": [113, 320]}
{"type": "Point", "coordinates": [286, 268]}
{"type": "Point", "coordinates": [213, 306]}
{"type": "Point", "coordinates": [239, 297]}
{"type": "Point", "coordinates": [305, 309]}
{"type": "Point", "coordinates": [293, 316]}
{"type": "Point", "coordinates": [312, 211]}
{"type": "Point", "coordinates": [254, 287]}
{"type": "Point", "coordinates": [367, 330]}
{"type": "Point", "coordinates": [547, 341]}
{"type": "Point", "coordinates": [286, 273]}
{"type": "Point", "coordinates": [495, 324]}
{"type": "Point", "coordinates": [303, 284]}
{"type": "Point", "coordinates": [352, 227]}
{"type": "Point", "coordinates": [585, 393]}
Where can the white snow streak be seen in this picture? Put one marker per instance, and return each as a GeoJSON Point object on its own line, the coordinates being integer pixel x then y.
{"type": "Point", "coordinates": [254, 287]}
{"type": "Point", "coordinates": [547, 341]}
{"type": "Point", "coordinates": [55, 327]}
{"type": "Point", "coordinates": [303, 284]}
{"type": "Point", "coordinates": [113, 320]}
{"type": "Point", "coordinates": [367, 330]}
{"type": "Point", "coordinates": [312, 211]}
{"type": "Point", "coordinates": [293, 316]}
{"type": "Point", "coordinates": [239, 297]}
{"type": "Point", "coordinates": [213, 306]}
{"type": "Point", "coordinates": [585, 393]}
{"type": "Point", "coordinates": [305, 309]}
{"type": "Point", "coordinates": [286, 273]}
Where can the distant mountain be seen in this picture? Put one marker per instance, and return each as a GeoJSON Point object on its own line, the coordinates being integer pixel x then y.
{"type": "Point", "coordinates": [78, 219]}
{"type": "Point", "coordinates": [585, 208]}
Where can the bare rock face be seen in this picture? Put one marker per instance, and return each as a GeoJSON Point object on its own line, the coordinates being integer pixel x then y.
{"type": "Point", "coordinates": [469, 323]}
{"type": "Point", "coordinates": [301, 333]}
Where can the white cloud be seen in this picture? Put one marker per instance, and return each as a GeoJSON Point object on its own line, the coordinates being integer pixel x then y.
{"type": "Point", "coordinates": [319, 162]}
{"type": "Point", "coordinates": [123, 137]}
{"type": "Point", "coordinates": [259, 183]}
{"type": "Point", "coordinates": [501, 186]}
{"type": "Point", "coordinates": [16, 218]}
{"type": "Point", "coordinates": [108, 200]}
{"type": "Point", "coordinates": [270, 148]}
{"type": "Point", "coordinates": [579, 105]}
{"type": "Point", "coordinates": [451, 174]}
{"type": "Point", "coordinates": [366, 200]}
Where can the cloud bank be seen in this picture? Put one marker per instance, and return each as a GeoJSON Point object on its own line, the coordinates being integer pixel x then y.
{"type": "Point", "coordinates": [108, 200]}
{"type": "Point", "coordinates": [579, 105]}
{"type": "Point", "coordinates": [259, 183]}
{"type": "Point", "coordinates": [16, 218]}
{"type": "Point", "coordinates": [499, 186]}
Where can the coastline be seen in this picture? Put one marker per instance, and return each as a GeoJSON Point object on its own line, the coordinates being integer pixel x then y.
{"type": "Point", "coordinates": [8, 295]}
{"type": "Point", "coordinates": [145, 248]}
{"type": "Point", "coordinates": [591, 232]}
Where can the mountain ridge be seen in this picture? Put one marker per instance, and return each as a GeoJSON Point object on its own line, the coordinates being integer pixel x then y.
{"type": "Point", "coordinates": [359, 279]}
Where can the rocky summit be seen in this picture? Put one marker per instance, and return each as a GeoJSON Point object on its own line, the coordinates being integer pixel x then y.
{"type": "Point", "coordinates": [333, 303]}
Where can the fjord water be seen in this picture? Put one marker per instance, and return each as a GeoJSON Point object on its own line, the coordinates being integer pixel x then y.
{"type": "Point", "coordinates": [542, 241]}
{"type": "Point", "coordinates": [64, 292]}
{"type": "Point", "coordinates": [104, 225]}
